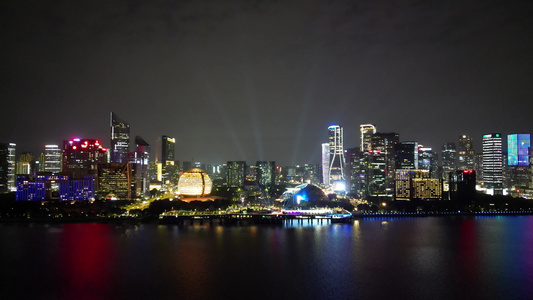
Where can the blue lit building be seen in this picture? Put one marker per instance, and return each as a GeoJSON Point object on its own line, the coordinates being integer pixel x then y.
{"type": "Point", "coordinates": [518, 149]}
{"type": "Point", "coordinates": [80, 189]}
{"type": "Point", "coordinates": [518, 177]}
{"type": "Point", "coordinates": [31, 190]}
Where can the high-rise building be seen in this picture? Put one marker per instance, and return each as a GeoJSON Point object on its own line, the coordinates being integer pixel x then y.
{"type": "Point", "coordinates": [493, 162]}
{"type": "Point", "coordinates": [265, 172]}
{"type": "Point", "coordinates": [381, 163]}
{"type": "Point", "coordinates": [165, 149]}
{"type": "Point", "coordinates": [356, 177]}
{"type": "Point", "coordinates": [24, 164]}
{"type": "Point", "coordinates": [52, 159]}
{"type": "Point", "coordinates": [140, 158]}
{"type": "Point", "coordinates": [236, 174]}
{"type": "Point", "coordinates": [466, 153]}
{"type": "Point", "coordinates": [3, 168]}
{"type": "Point", "coordinates": [80, 157]}
{"type": "Point", "coordinates": [517, 149]}
{"type": "Point", "coordinates": [336, 150]}
{"type": "Point", "coordinates": [449, 156]}
{"type": "Point", "coordinates": [325, 163]}
{"type": "Point", "coordinates": [462, 185]}
{"type": "Point", "coordinates": [367, 130]}
{"type": "Point", "coordinates": [407, 155]}
{"type": "Point", "coordinates": [120, 139]}
{"type": "Point", "coordinates": [518, 146]}
{"type": "Point", "coordinates": [7, 167]}
{"type": "Point", "coordinates": [164, 157]}
{"type": "Point", "coordinates": [116, 181]}
{"type": "Point", "coordinates": [427, 160]}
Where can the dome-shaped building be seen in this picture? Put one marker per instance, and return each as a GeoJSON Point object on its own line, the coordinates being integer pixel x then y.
{"type": "Point", "coordinates": [195, 182]}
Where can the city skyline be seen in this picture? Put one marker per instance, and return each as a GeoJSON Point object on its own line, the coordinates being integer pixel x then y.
{"type": "Point", "coordinates": [257, 82]}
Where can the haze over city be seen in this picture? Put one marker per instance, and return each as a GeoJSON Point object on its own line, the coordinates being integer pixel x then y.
{"type": "Point", "coordinates": [241, 80]}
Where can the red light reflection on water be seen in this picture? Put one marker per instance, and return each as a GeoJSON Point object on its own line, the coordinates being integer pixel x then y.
{"type": "Point", "coordinates": [87, 252]}
{"type": "Point", "coordinates": [468, 260]}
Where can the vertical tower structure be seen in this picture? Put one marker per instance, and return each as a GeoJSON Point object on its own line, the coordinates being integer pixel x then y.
{"type": "Point", "coordinates": [518, 146]}
{"type": "Point", "coordinates": [367, 131]}
{"type": "Point", "coordinates": [449, 152]}
{"type": "Point", "coordinates": [466, 153]}
{"type": "Point", "coordinates": [120, 138]}
{"type": "Point", "coordinates": [325, 163]}
{"type": "Point", "coordinates": [493, 162]}
{"type": "Point", "coordinates": [52, 158]}
{"type": "Point", "coordinates": [336, 154]}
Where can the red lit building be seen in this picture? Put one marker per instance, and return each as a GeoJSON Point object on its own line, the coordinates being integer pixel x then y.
{"type": "Point", "coordinates": [81, 157]}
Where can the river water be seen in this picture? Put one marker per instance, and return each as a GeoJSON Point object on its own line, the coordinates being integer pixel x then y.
{"type": "Point", "coordinates": [382, 258]}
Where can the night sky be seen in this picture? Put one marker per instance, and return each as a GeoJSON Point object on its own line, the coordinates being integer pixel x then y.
{"type": "Point", "coordinates": [262, 80]}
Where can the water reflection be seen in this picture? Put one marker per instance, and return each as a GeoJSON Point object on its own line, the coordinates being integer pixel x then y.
{"type": "Point", "coordinates": [395, 258]}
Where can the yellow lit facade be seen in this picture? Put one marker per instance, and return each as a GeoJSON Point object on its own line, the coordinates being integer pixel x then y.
{"type": "Point", "coordinates": [195, 182]}
{"type": "Point", "coordinates": [417, 184]}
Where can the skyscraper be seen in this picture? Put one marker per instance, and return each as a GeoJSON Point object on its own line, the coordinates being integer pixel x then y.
{"type": "Point", "coordinates": [336, 150]}
{"type": "Point", "coordinates": [82, 156]}
{"type": "Point", "coordinates": [325, 163]}
{"type": "Point", "coordinates": [466, 153]}
{"type": "Point", "coordinates": [8, 153]}
{"type": "Point", "coordinates": [265, 172]}
{"type": "Point", "coordinates": [4, 168]}
{"type": "Point", "coordinates": [407, 155]}
{"type": "Point", "coordinates": [517, 149]}
{"type": "Point", "coordinates": [236, 174]}
{"type": "Point", "coordinates": [164, 158]}
{"type": "Point", "coordinates": [381, 163]}
{"type": "Point", "coordinates": [52, 158]}
{"type": "Point", "coordinates": [449, 153]}
{"type": "Point", "coordinates": [493, 162]}
{"type": "Point", "coordinates": [140, 158]}
{"type": "Point", "coordinates": [367, 130]}
{"type": "Point", "coordinates": [518, 161]}
{"type": "Point", "coordinates": [120, 138]}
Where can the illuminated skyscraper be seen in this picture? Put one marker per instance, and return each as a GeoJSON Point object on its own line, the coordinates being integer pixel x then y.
{"type": "Point", "coordinates": [7, 167]}
{"type": "Point", "coordinates": [236, 174]}
{"type": "Point", "coordinates": [493, 162]}
{"type": "Point", "coordinates": [380, 163]}
{"type": "Point", "coordinates": [449, 153]}
{"type": "Point", "coordinates": [325, 163]}
{"type": "Point", "coordinates": [336, 150]}
{"type": "Point", "coordinates": [52, 159]}
{"type": "Point", "coordinates": [120, 139]}
{"type": "Point", "coordinates": [265, 173]}
{"type": "Point", "coordinates": [164, 158]}
{"type": "Point", "coordinates": [465, 153]}
{"type": "Point", "coordinates": [80, 157]}
{"type": "Point", "coordinates": [427, 160]}
{"type": "Point", "coordinates": [517, 149]}
{"type": "Point", "coordinates": [518, 162]}
{"type": "Point", "coordinates": [24, 164]}
{"type": "Point", "coordinates": [140, 158]}
{"type": "Point", "coordinates": [367, 130]}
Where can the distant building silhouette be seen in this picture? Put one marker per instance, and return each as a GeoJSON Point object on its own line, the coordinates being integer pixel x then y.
{"type": "Point", "coordinates": [407, 156]}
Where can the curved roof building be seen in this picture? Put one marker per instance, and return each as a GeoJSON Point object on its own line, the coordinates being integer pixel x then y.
{"type": "Point", "coordinates": [195, 182]}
